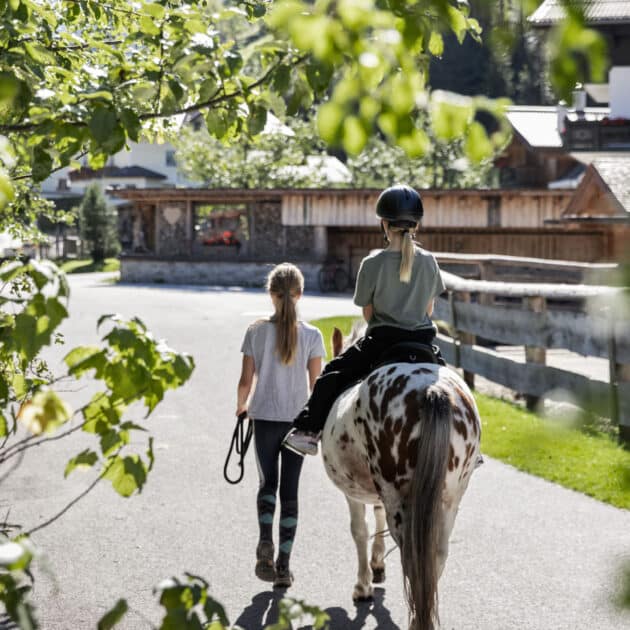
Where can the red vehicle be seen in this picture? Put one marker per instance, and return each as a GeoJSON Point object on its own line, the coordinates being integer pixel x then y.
{"type": "Point", "coordinates": [225, 238]}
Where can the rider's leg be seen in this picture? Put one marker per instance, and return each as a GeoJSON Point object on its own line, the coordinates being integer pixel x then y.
{"type": "Point", "coordinates": [341, 372]}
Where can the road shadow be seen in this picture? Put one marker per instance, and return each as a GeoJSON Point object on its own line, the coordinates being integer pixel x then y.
{"type": "Point", "coordinates": [263, 611]}
{"type": "Point", "coordinates": [340, 618]}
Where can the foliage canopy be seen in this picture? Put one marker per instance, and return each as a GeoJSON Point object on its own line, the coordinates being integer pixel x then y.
{"type": "Point", "coordinates": [84, 77]}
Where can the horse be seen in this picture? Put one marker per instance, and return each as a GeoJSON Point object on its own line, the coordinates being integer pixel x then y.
{"type": "Point", "coordinates": [405, 440]}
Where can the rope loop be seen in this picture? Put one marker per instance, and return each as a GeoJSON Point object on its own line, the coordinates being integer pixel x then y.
{"type": "Point", "coordinates": [239, 444]}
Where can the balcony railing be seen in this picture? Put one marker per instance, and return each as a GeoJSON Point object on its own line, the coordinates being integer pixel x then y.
{"type": "Point", "coordinates": [597, 135]}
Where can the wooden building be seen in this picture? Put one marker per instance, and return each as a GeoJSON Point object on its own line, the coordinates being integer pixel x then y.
{"type": "Point", "coordinates": [192, 234]}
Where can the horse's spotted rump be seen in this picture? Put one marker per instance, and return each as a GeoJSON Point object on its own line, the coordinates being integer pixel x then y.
{"type": "Point", "coordinates": [382, 426]}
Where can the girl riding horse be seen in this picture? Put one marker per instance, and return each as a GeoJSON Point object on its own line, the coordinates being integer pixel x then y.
{"type": "Point", "coordinates": [396, 288]}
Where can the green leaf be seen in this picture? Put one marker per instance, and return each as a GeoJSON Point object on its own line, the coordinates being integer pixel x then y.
{"type": "Point", "coordinates": [127, 475]}
{"type": "Point", "coordinates": [148, 26]}
{"type": "Point", "coordinates": [20, 386]}
{"type": "Point", "coordinates": [42, 164]}
{"type": "Point", "coordinates": [354, 135]}
{"type": "Point", "coordinates": [155, 10]}
{"type": "Point", "coordinates": [208, 89]}
{"type": "Point", "coordinates": [112, 440]}
{"type": "Point", "coordinates": [4, 426]}
{"type": "Point", "coordinates": [257, 119]}
{"type": "Point", "coordinates": [450, 115]}
{"type": "Point", "coordinates": [458, 23]}
{"type": "Point", "coordinates": [113, 616]}
{"type": "Point", "coordinates": [329, 122]}
{"type": "Point", "coordinates": [131, 122]}
{"type": "Point", "coordinates": [83, 358]}
{"type": "Point", "coordinates": [436, 44]}
{"type": "Point", "coordinates": [12, 270]}
{"type": "Point", "coordinates": [102, 123]}
{"type": "Point", "coordinates": [478, 146]}
{"type": "Point", "coordinates": [85, 459]}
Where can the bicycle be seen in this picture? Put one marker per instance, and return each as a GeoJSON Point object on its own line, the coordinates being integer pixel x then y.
{"type": "Point", "coordinates": [333, 277]}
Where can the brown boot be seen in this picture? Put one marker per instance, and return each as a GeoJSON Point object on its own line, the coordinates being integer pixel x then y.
{"type": "Point", "coordinates": [265, 569]}
{"type": "Point", "coordinates": [284, 577]}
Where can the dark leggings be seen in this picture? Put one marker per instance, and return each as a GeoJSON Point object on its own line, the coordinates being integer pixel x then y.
{"type": "Point", "coordinates": [268, 436]}
{"type": "Point", "coordinates": [350, 366]}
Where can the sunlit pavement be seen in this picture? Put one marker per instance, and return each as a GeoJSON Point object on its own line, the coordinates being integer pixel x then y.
{"type": "Point", "coordinates": [525, 553]}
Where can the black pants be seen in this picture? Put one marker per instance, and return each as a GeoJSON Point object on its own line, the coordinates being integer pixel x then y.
{"type": "Point", "coordinates": [268, 436]}
{"type": "Point", "coordinates": [350, 366]}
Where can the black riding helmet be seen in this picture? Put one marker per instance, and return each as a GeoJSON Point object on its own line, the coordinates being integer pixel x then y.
{"type": "Point", "coordinates": [400, 205]}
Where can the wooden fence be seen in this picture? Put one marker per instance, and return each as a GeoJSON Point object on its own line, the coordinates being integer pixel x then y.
{"type": "Point", "coordinates": [533, 316]}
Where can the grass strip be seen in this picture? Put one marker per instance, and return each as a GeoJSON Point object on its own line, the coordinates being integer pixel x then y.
{"type": "Point", "coordinates": [573, 456]}
{"type": "Point", "coordinates": [87, 265]}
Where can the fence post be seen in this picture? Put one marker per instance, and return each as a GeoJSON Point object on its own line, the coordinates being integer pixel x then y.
{"type": "Point", "coordinates": [464, 337]}
{"type": "Point", "coordinates": [535, 354]}
{"type": "Point", "coordinates": [623, 375]}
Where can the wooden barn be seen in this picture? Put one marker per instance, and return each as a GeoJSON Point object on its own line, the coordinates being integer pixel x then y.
{"type": "Point", "coordinates": [192, 234]}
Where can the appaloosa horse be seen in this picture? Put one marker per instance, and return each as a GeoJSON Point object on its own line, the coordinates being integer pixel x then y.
{"type": "Point", "coordinates": [406, 439]}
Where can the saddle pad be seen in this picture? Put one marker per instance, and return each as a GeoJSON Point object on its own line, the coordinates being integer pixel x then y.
{"type": "Point", "coordinates": [407, 352]}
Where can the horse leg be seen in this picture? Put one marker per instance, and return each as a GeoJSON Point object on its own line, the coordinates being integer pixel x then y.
{"type": "Point", "coordinates": [377, 563]}
{"type": "Point", "coordinates": [358, 526]}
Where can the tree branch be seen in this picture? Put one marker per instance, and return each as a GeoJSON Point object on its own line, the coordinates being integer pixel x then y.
{"type": "Point", "coordinates": [215, 100]}
{"type": "Point", "coordinates": [76, 499]}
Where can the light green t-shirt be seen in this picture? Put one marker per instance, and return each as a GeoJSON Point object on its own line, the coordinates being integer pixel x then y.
{"type": "Point", "coordinates": [396, 303]}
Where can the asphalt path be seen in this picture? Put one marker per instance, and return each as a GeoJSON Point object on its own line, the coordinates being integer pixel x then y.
{"type": "Point", "coordinates": [525, 553]}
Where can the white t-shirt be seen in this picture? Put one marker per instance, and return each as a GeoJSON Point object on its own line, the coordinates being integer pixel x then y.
{"type": "Point", "coordinates": [281, 390]}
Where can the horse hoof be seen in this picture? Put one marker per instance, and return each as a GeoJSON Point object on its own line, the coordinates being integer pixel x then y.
{"type": "Point", "coordinates": [378, 575]}
{"type": "Point", "coordinates": [362, 594]}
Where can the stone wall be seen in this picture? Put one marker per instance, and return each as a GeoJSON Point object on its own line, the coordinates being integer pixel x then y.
{"type": "Point", "coordinates": [150, 270]}
{"type": "Point", "coordinates": [270, 240]}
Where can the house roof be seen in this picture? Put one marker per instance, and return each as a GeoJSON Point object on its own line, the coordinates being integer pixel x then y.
{"type": "Point", "coordinates": [615, 172]}
{"type": "Point", "coordinates": [604, 189]}
{"type": "Point", "coordinates": [596, 12]}
{"type": "Point", "coordinates": [538, 124]}
{"type": "Point", "coordinates": [114, 171]}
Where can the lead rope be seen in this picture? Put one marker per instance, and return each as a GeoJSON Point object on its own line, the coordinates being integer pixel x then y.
{"type": "Point", "coordinates": [240, 443]}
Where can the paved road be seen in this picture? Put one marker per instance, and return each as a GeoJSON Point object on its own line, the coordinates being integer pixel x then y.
{"type": "Point", "coordinates": [525, 554]}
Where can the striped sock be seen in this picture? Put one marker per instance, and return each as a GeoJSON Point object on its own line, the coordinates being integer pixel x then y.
{"type": "Point", "coordinates": [288, 525]}
{"type": "Point", "coordinates": [266, 505]}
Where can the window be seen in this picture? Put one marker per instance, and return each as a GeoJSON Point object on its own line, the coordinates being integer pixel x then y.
{"type": "Point", "coordinates": [170, 158]}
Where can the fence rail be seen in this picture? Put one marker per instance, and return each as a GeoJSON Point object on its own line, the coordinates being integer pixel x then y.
{"type": "Point", "coordinates": [534, 318]}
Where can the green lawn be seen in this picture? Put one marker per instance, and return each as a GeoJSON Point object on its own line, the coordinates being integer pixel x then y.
{"type": "Point", "coordinates": [583, 460]}
{"type": "Point", "coordinates": [86, 265]}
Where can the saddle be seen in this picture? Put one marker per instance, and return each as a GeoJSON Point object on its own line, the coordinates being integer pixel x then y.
{"type": "Point", "coordinates": [410, 352]}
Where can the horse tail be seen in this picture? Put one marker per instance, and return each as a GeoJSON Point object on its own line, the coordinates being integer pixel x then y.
{"type": "Point", "coordinates": [422, 525]}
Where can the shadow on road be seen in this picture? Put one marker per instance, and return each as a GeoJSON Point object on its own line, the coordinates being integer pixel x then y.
{"type": "Point", "coordinates": [340, 618]}
{"type": "Point", "coordinates": [263, 611]}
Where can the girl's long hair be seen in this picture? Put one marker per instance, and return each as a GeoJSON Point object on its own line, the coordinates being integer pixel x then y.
{"type": "Point", "coordinates": [407, 250]}
{"type": "Point", "coordinates": [285, 282]}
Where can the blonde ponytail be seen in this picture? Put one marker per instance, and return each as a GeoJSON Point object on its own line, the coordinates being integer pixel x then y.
{"type": "Point", "coordinates": [406, 262]}
{"type": "Point", "coordinates": [286, 283]}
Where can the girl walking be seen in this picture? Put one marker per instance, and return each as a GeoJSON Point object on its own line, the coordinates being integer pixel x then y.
{"type": "Point", "coordinates": [284, 355]}
{"type": "Point", "coordinates": [395, 288]}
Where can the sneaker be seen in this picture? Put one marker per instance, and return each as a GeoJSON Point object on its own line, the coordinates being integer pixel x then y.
{"type": "Point", "coordinates": [301, 442]}
{"type": "Point", "coordinates": [284, 578]}
{"type": "Point", "coordinates": [265, 569]}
